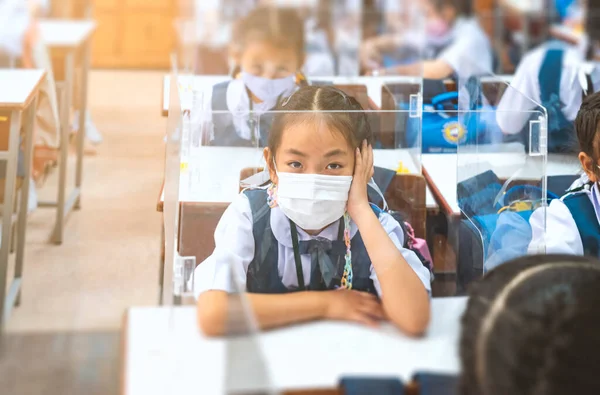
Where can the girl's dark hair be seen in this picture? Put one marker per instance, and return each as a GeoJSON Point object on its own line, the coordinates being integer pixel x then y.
{"type": "Point", "coordinates": [327, 103]}
{"type": "Point", "coordinates": [532, 327]}
{"type": "Point", "coordinates": [462, 7]}
{"type": "Point", "coordinates": [587, 126]}
{"type": "Point", "coordinates": [592, 26]}
{"type": "Point", "coordinates": [279, 26]}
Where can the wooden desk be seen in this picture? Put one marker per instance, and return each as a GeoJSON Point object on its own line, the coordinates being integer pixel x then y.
{"type": "Point", "coordinates": [166, 353]}
{"type": "Point", "coordinates": [18, 98]}
{"type": "Point", "coordinates": [65, 38]}
{"type": "Point", "coordinates": [443, 173]}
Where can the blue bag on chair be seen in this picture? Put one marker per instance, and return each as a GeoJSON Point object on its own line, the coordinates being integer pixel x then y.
{"type": "Point", "coordinates": [444, 128]}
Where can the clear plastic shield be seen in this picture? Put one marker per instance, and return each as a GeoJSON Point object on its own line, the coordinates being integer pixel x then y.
{"type": "Point", "coordinates": [242, 211]}
{"type": "Point", "coordinates": [502, 140]}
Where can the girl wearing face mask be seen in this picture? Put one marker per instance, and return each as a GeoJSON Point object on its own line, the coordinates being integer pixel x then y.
{"type": "Point", "coordinates": [267, 53]}
{"type": "Point", "coordinates": [573, 222]}
{"type": "Point", "coordinates": [311, 246]}
{"type": "Point", "coordinates": [449, 39]}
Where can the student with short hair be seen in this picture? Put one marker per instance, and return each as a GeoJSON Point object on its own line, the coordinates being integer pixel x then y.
{"type": "Point", "coordinates": [531, 327]}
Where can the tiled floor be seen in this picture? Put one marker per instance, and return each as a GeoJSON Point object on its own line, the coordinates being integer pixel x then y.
{"type": "Point", "coordinates": [109, 258]}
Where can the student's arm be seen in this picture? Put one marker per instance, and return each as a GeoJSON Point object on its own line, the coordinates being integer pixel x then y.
{"type": "Point", "coordinates": [431, 69]}
{"type": "Point", "coordinates": [405, 300]}
{"type": "Point", "coordinates": [221, 313]}
{"type": "Point", "coordinates": [372, 49]}
{"type": "Point", "coordinates": [223, 274]}
{"type": "Point", "coordinates": [554, 231]}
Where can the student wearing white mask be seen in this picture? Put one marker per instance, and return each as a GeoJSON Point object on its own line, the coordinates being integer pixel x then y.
{"type": "Point", "coordinates": [268, 56]}
{"type": "Point", "coordinates": [571, 225]}
{"type": "Point", "coordinates": [556, 75]}
{"type": "Point", "coordinates": [311, 246]}
{"type": "Point", "coordinates": [449, 39]}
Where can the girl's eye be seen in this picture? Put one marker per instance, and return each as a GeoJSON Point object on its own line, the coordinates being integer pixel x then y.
{"type": "Point", "coordinates": [295, 165]}
{"type": "Point", "coordinates": [334, 166]}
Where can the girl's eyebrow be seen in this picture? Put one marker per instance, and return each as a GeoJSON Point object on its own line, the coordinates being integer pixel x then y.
{"type": "Point", "coordinates": [335, 152]}
{"type": "Point", "coordinates": [294, 151]}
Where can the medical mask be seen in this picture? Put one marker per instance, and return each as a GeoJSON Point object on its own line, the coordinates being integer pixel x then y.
{"type": "Point", "coordinates": [267, 89]}
{"type": "Point", "coordinates": [437, 28]}
{"type": "Point", "coordinates": [312, 201]}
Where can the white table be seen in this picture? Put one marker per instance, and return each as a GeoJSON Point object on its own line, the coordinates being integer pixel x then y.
{"type": "Point", "coordinates": [213, 173]}
{"type": "Point", "coordinates": [165, 353]}
{"type": "Point", "coordinates": [67, 37]}
{"type": "Point", "coordinates": [18, 98]}
{"type": "Point", "coordinates": [447, 170]}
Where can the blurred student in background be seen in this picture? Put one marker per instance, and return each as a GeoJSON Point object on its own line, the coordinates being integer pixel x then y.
{"type": "Point", "coordinates": [267, 55]}
{"type": "Point", "coordinates": [450, 43]}
{"type": "Point", "coordinates": [557, 76]}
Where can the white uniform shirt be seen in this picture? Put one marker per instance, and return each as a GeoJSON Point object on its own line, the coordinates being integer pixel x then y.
{"type": "Point", "coordinates": [560, 236]}
{"type": "Point", "coordinates": [234, 250]}
{"type": "Point", "coordinates": [469, 53]}
{"type": "Point", "coordinates": [466, 48]}
{"type": "Point", "coordinates": [524, 94]}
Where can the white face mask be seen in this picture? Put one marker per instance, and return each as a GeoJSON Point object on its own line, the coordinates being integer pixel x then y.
{"type": "Point", "coordinates": [312, 201]}
{"type": "Point", "coordinates": [267, 89]}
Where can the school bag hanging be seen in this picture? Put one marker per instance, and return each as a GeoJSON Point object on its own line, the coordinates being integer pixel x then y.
{"type": "Point", "coordinates": [444, 128]}
{"type": "Point", "coordinates": [496, 228]}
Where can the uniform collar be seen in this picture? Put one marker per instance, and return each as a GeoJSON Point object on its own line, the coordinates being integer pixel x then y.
{"type": "Point", "coordinates": [280, 226]}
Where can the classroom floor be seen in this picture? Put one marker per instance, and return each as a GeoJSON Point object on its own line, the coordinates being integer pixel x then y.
{"type": "Point", "coordinates": [109, 258]}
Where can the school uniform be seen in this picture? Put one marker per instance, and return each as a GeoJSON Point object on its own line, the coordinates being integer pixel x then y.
{"type": "Point", "coordinates": [554, 76]}
{"type": "Point", "coordinates": [255, 252]}
{"type": "Point", "coordinates": [469, 52]}
{"type": "Point", "coordinates": [572, 224]}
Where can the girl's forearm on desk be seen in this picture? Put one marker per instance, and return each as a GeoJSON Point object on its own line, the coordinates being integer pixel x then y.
{"type": "Point", "coordinates": [220, 313]}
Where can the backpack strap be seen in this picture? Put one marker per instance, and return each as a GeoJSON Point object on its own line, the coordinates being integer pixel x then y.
{"type": "Point", "coordinates": [550, 74]}
{"type": "Point", "coordinates": [383, 178]}
{"type": "Point", "coordinates": [584, 215]}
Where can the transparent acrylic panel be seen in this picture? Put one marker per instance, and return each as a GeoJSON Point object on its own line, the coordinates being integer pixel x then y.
{"type": "Point", "coordinates": [502, 169]}
{"type": "Point", "coordinates": [231, 257]}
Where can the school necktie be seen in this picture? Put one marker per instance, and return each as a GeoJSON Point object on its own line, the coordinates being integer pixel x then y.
{"type": "Point", "coordinates": [318, 248]}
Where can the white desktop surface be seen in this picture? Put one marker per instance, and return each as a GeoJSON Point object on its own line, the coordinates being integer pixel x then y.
{"type": "Point", "coordinates": [213, 173]}
{"type": "Point", "coordinates": [447, 170]}
{"type": "Point", "coordinates": [18, 87]}
{"type": "Point", "coordinates": [70, 34]}
{"type": "Point", "coordinates": [166, 353]}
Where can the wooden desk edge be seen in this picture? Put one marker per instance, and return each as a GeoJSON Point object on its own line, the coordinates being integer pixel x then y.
{"type": "Point", "coordinates": [437, 195]}
{"type": "Point", "coordinates": [22, 106]}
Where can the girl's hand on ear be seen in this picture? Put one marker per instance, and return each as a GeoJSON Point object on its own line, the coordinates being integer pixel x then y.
{"type": "Point", "coordinates": [358, 201]}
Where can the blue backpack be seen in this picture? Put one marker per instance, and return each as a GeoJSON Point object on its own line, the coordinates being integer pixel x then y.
{"type": "Point", "coordinates": [443, 128]}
